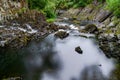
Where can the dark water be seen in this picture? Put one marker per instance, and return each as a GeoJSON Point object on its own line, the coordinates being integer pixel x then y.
{"type": "Point", "coordinates": [56, 59]}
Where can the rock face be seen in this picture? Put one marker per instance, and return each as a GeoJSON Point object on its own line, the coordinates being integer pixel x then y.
{"type": "Point", "coordinates": [11, 8]}
{"type": "Point", "coordinates": [90, 28]}
{"type": "Point", "coordinates": [19, 31]}
{"type": "Point", "coordinates": [78, 50]}
{"type": "Point", "coordinates": [62, 34]}
{"type": "Point", "coordinates": [103, 15]}
{"type": "Point", "coordinates": [110, 46]}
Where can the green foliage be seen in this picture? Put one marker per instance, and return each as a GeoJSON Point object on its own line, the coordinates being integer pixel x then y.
{"type": "Point", "coordinates": [50, 6]}
{"type": "Point", "coordinates": [80, 3]}
{"type": "Point", "coordinates": [46, 6]}
{"type": "Point", "coordinates": [114, 6]}
{"type": "Point", "coordinates": [50, 20]}
{"type": "Point", "coordinates": [62, 4]}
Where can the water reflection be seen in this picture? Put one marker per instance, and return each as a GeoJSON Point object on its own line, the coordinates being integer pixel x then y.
{"type": "Point", "coordinates": [92, 73]}
{"type": "Point", "coordinates": [10, 61]}
{"type": "Point", "coordinates": [41, 58]}
{"type": "Point", "coordinates": [31, 62]}
{"type": "Point", "coordinates": [56, 59]}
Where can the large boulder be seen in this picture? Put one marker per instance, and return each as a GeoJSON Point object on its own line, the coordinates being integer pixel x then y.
{"type": "Point", "coordinates": [61, 34]}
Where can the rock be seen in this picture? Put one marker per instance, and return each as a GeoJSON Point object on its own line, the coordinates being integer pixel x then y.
{"type": "Point", "coordinates": [13, 78]}
{"type": "Point", "coordinates": [53, 27]}
{"type": "Point", "coordinates": [102, 15]}
{"type": "Point", "coordinates": [90, 28]}
{"type": "Point", "coordinates": [112, 24]}
{"type": "Point", "coordinates": [107, 21]}
{"type": "Point", "coordinates": [71, 12]}
{"type": "Point", "coordinates": [64, 27]}
{"type": "Point", "coordinates": [2, 43]}
{"type": "Point", "coordinates": [78, 49]}
{"type": "Point", "coordinates": [62, 34]}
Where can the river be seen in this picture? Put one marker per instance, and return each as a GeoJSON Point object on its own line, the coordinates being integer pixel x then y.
{"type": "Point", "coordinates": [52, 58]}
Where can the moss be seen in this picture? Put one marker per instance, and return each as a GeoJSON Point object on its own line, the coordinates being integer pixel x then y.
{"type": "Point", "coordinates": [76, 22]}
{"type": "Point", "coordinates": [116, 73]}
{"type": "Point", "coordinates": [25, 40]}
{"type": "Point", "coordinates": [108, 31]}
{"type": "Point", "coordinates": [91, 17]}
{"type": "Point", "coordinates": [50, 20]}
{"type": "Point", "coordinates": [22, 10]}
{"type": "Point", "coordinates": [99, 6]}
{"type": "Point", "coordinates": [74, 17]}
{"type": "Point", "coordinates": [118, 29]}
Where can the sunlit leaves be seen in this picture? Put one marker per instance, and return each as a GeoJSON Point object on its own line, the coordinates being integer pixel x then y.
{"type": "Point", "coordinates": [114, 6]}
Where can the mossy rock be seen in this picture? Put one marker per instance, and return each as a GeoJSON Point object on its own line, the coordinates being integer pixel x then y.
{"type": "Point", "coordinates": [91, 28]}
{"type": "Point", "coordinates": [61, 34]}
{"type": "Point", "coordinates": [53, 27]}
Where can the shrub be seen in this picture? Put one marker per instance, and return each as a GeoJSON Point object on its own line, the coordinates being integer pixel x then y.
{"type": "Point", "coordinates": [114, 6]}
{"type": "Point", "coordinates": [46, 6]}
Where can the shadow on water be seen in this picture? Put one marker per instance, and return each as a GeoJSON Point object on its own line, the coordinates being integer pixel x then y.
{"type": "Point", "coordinates": [30, 62]}
{"type": "Point", "coordinates": [56, 59]}
{"type": "Point", "coordinates": [92, 73]}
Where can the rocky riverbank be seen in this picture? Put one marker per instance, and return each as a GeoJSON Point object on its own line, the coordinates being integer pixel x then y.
{"type": "Point", "coordinates": [19, 31]}
{"type": "Point", "coordinates": [92, 19]}
{"type": "Point", "coordinates": [97, 20]}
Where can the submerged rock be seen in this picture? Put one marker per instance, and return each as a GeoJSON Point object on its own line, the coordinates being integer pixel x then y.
{"type": "Point", "coordinates": [62, 34]}
{"type": "Point", "coordinates": [79, 50]}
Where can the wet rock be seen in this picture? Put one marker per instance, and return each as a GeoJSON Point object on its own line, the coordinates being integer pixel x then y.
{"type": "Point", "coordinates": [64, 27]}
{"type": "Point", "coordinates": [108, 37]}
{"type": "Point", "coordinates": [109, 44]}
{"type": "Point", "coordinates": [13, 78]}
{"type": "Point", "coordinates": [62, 34]}
{"type": "Point", "coordinates": [19, 31]}
{"type": "Point", "coordinates": [90, 28]}
{"type": "Point", "coordinates": [112, 24]}
{"type": "Point", "coordinates": [53, 27]}
{"type": "Point", "coordinates": [83, 36]}
{"type": "Point", "coordinates": [2, 43]}
{"type": "Point", "coordinates": [79, 50]}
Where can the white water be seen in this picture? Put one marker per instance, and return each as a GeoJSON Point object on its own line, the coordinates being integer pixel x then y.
{"type": "Point", "coordinates": [29, 29]}
{"type": "Point", "coordinates": [73, 63]}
